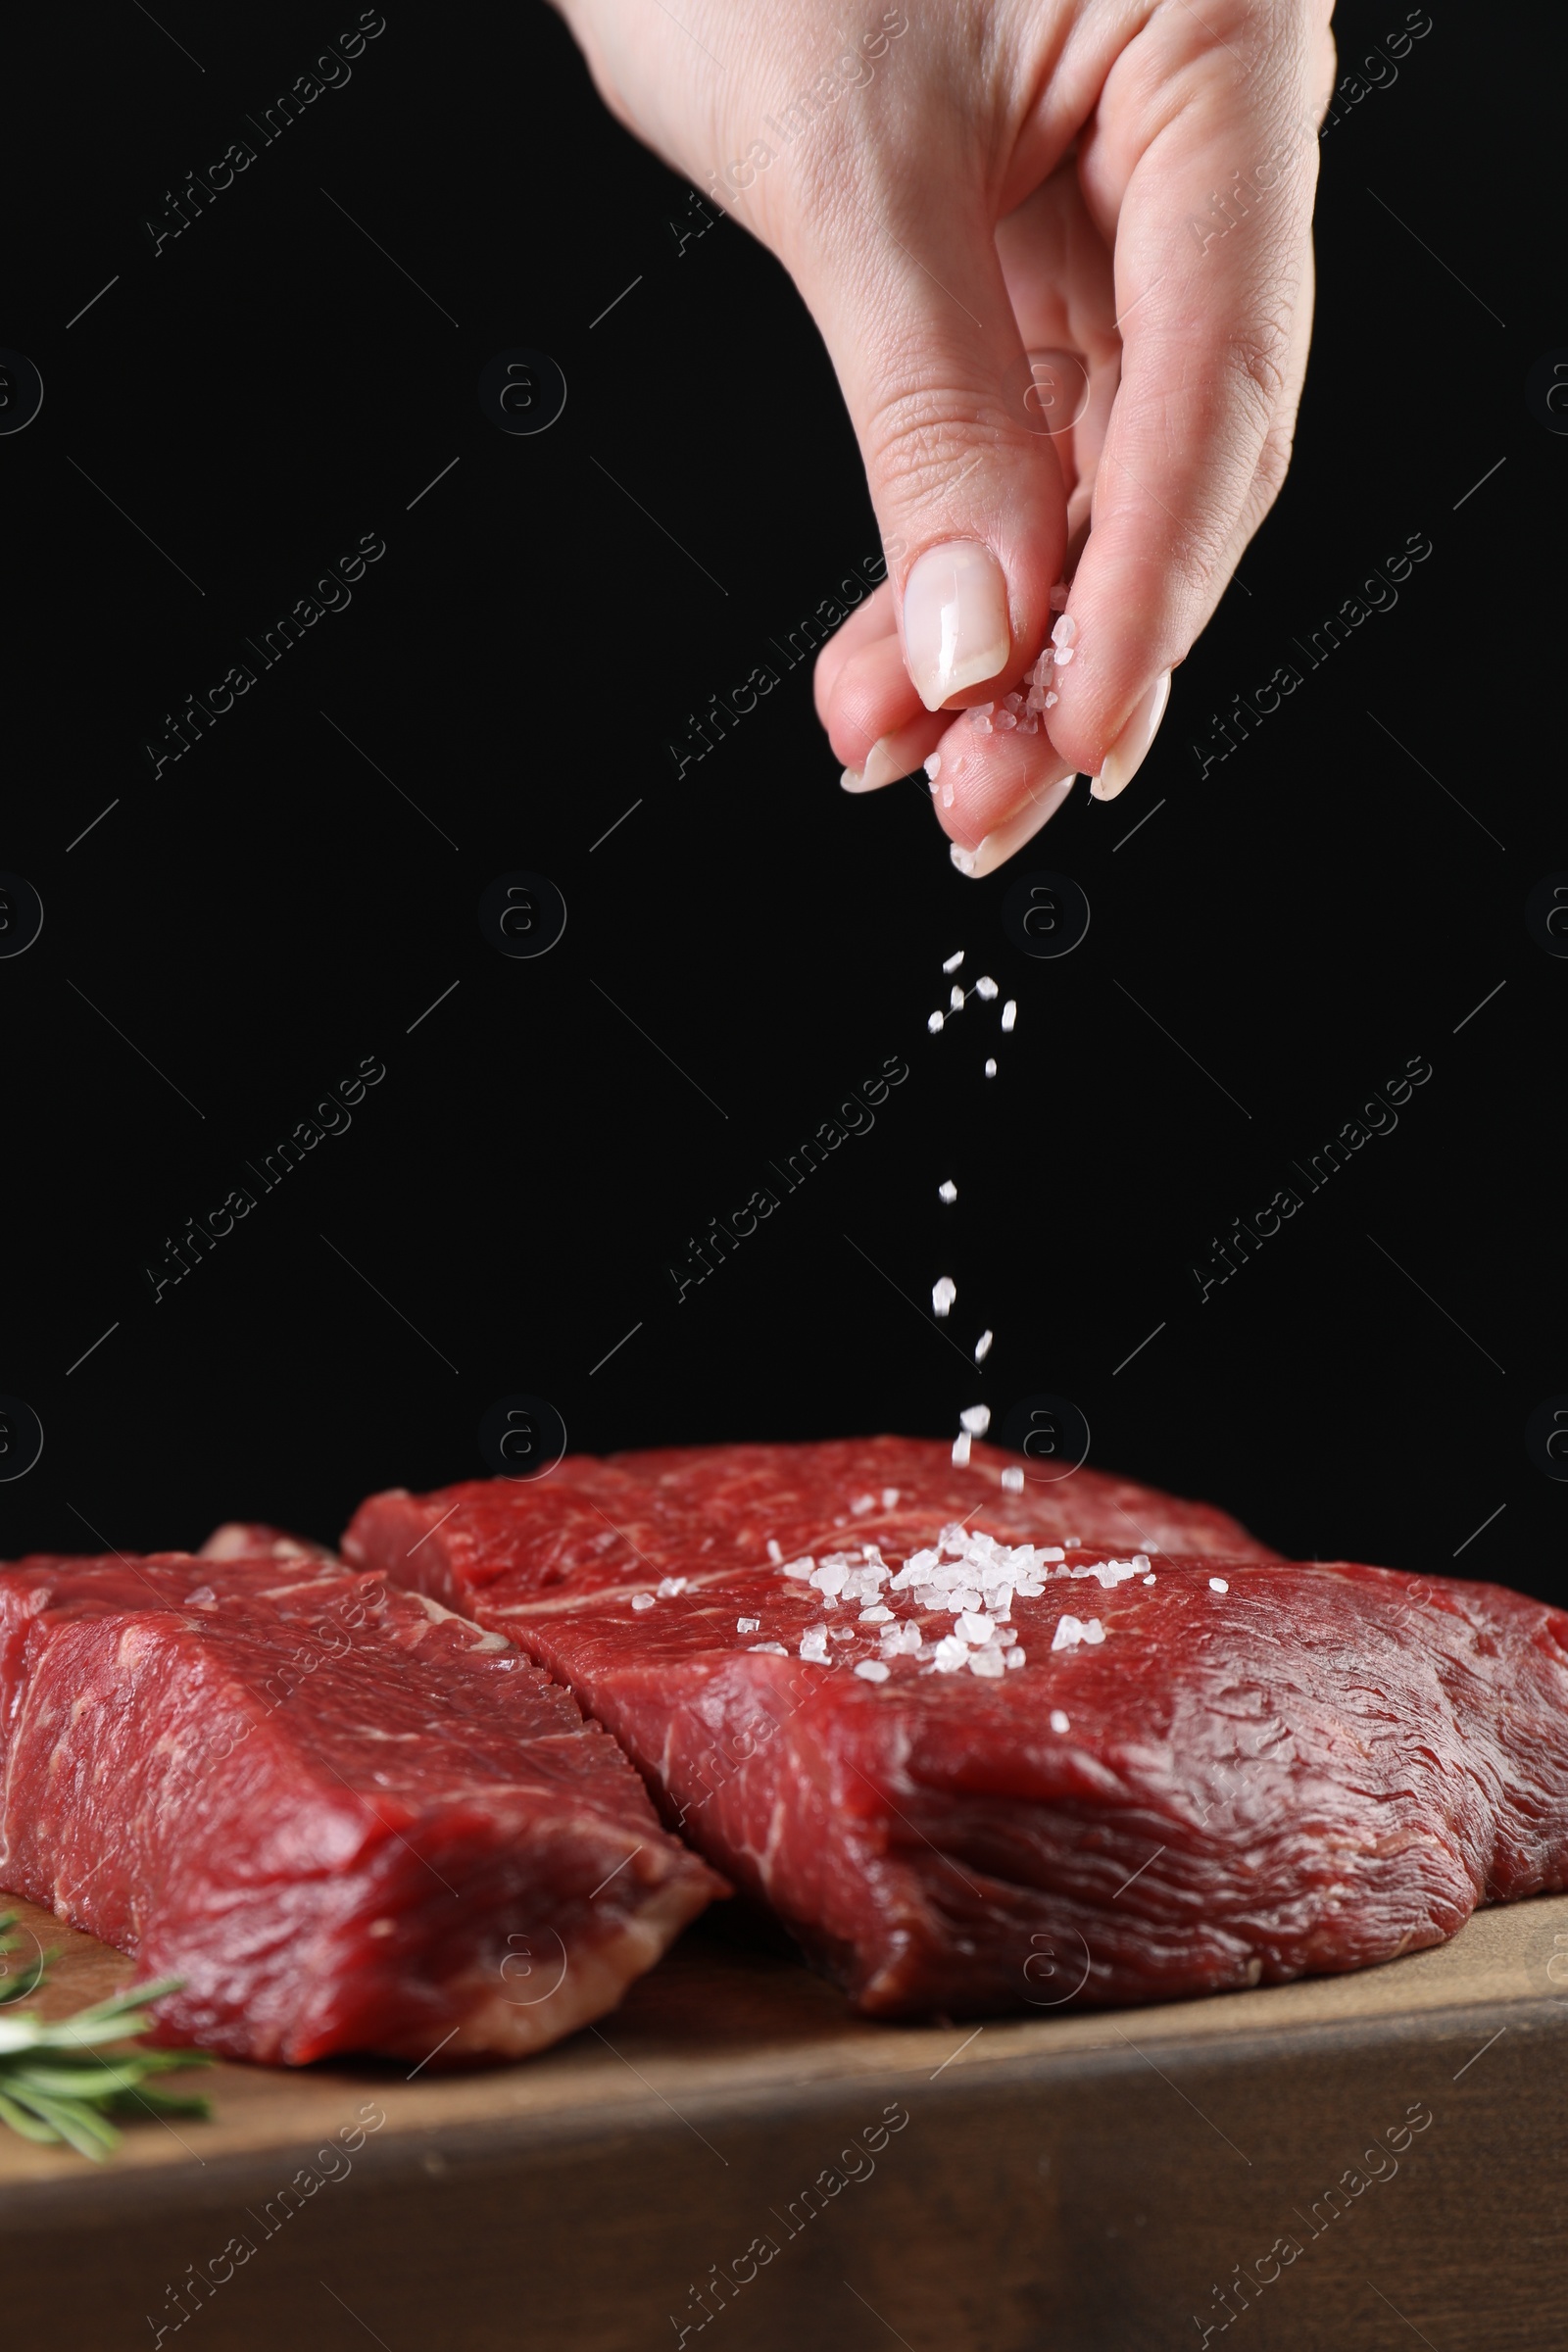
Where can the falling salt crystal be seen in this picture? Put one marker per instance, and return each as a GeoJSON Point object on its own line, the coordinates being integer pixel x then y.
{"type": "Point", "coordinates": [872, 1670]}
{"type": "Point", "coordinates": [1058, 1721]}
{"type": "Point", "coordinates": [1218, 1583]}
{"type": "Point", "coordinates": [933, 769]}
{"type": "Point", "coordinates": [1009, 1016]}
{"type": "Point", "coordinates": [976, 1419]}
{"type": "Point", "coordinates": [960, 1452]}
{"type": "Point", "coordinates": [984, 987]}
{"type": "Point", "coordinates": [773, 1551]}
{"type": "Point", "coordinates": [1065, 633]}
{"type": "Point", "coordinates": [890, 1499]}
{"type": "Point", "coordinates": [1012, 1480]}
{"type": "Point", "coordinates": [748, 1625]}
{"type": "Point", "coordinates": [934, 1023]}
{"type": "Point", "coordinates": [642, 1600]}
{"type": "Point", "coordinates": [952, 961]}
{"type": "Point", "coordinates": [990, 1069]}
{"type": "Point", "coordinates": [948, 1192]}
{"type": "Point", "coordinates": [1059, 597]}
{"type": "Point", "coordinates": [942, 1293]}
{"type": "Point", "coordinates": [982, 1346]}
{"type": "Point", "coordinates": [956, 999]}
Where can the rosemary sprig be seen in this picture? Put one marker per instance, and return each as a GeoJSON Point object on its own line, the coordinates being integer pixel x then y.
{"type": "Point", "coordinates": [56, 2082]}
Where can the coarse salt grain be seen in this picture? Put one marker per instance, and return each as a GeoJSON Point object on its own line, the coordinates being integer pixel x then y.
{"type": "Point", "coordinates": [953, 962]}
{"type": "Point", "coordinates": [890, 1499]}
{"type": "Point", "coordinates": [942, 1293]}
{"type": "Point", "coordinates": [982, 1346]}
{"type": "Point", "coordinates": [1063, 655]}
{"type": "Point", "coordinates": [948, 1192]}
{"type": "Point", "coordinates": [1148, 1580]}
{"type": "Point", "coordinates": [960, 1452]}
{"type": "Point", "coordinates": [669, 1585]}
{"type": "Point", "coordinates": [934, 1023]}
{"type": "Point", "coordinates": [1070, 1631]}
{"type": "Point", "coordinates": [932, 767]}
{"type": "Point", "coordinates": [777, 1648]}
{"type": "Point", "coordinates": [976, 1419]}
{"type": "Point", "coordinates": [1058, 1721]}
{"type": "Point", "coordinates": [799, 1568]}
{"type": "Point", "coordinates": [1012, 1480]}
{"type": "Point", "coordinates": [862, 1504]}
{"type": "Point", "coordinates": [990, 1069]}
{"type": "Point", "coordinates": [642, 1600]}
{"type": "Point", "coordinates": [877, 1614]}
{"type": "Point", "coordinates": [813, 1646]}
{"type": "Point", "coordinates": [989, 1664]}
{"type": "Point", "coordinates": [841, 1632]}
{"type": "Point", "coordinates": [984, 987]}
{"type": "Point", "coordinates": [974, 1626]}
{"type": "Point", "coordinates": [773, 1551]}
{"type": "Point", "coordinates": [956, 999]}
{"type": "Point", "coordinates": [1063, 632]}
{"type": "Point", "coordinates": [1052, 700]}
{"type": "Point", "coordinates": [748, 1625]}
{"type": "Point", "coordinates": [1009, 1016]}
{"type": "Point", "coordinates": [872, 1670]}
{"type": "Point", "coordinates": [1218, 1583]}
{"type": "Point", "coordinates": [950, 1654]}
{"type": "Point", "coordinates": [1014, 1657]}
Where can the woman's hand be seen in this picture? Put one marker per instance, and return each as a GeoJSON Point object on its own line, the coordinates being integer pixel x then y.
{"type": "Point", "coordinates": [1061, 254]}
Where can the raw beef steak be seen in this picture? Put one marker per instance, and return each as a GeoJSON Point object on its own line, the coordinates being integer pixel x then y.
{"type": "Point", "coordinates": [348, 1820]}
{"type": "Point", "coordinates": [977, 1767]}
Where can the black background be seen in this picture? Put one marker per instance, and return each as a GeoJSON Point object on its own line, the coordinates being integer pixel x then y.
{"type": "Point", "coordinates": [510, 1198]}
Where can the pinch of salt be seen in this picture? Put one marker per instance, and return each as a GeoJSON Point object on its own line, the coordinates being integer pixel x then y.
{"type": "Point", "coordinates": [944, 1291]}
{"type": "Point", "coordinates": [976, 1419]}
{"type": "Point", "coordinates": [984, 987]}
{"type": "Point", "coordinates": [1218, 1583]}
{"type": "Point", "coordinates": [990, 1069]}
{"type": "Point", "coordinates": [748, 1625]}
{"type": "Point", "coordinates": [932, 767]}
{"type": "Point", "coordinates": [872, 1670]}
{"type": "Point", "coordinates": [1009, 1016]}
{"type": "Point", "coordinates": [982, 1346]}
{"type": "Point", "coordinates": [642, 1600]}
{"type": "Point", "coordinates": [934, 1023]}
{"type": "Point", "coordinates": [1058, 1721]}
{"type": "Point", "coordinates": [953, 962]}
{"type": "Point", "coordinates": [948, 1192]}
{"type": "Point", "coordinates": [1012, 1480]}
{"type": "Point", "coordinates": [956, 999]}
{"type": "Point", "coordinates": [960, 1452]}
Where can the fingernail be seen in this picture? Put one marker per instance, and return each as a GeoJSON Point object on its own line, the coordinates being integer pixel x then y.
{"type": "Point", "coordinates": [996, 848]}
{"type": "Point", "coordinates": [1127, 754]}
{"type": "Point", "coordinates": [956, 630]}
{"type": "Point", "coordinates": [885, 764]}
{"type": "Point", "coordinates": [853, 781]}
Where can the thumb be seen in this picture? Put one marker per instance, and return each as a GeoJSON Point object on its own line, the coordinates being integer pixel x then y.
{"type": "Point", "coordinates": [916, 317]}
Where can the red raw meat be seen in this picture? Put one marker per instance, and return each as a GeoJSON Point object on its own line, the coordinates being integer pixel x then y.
{"type": "Point", "coordinates": [349, 1820]}
{"type": "Point", "coordinates": [1234, 1769]}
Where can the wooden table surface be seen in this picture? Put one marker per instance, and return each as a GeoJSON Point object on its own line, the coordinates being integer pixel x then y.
{"type": "Point", "coordinates": [1071, 2179]}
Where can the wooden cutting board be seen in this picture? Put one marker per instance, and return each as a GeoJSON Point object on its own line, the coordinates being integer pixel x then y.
{"type": "Point", "coordinates": [1371, 2160]}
